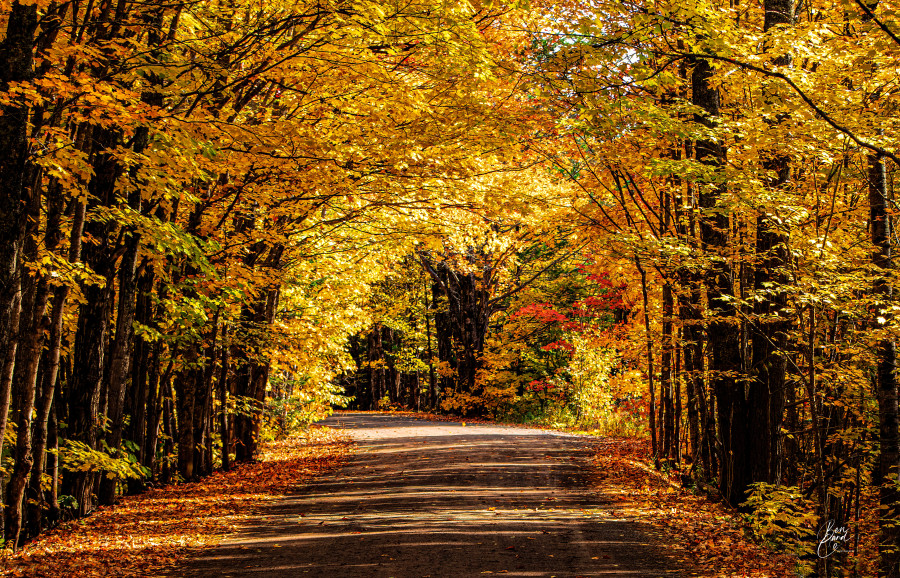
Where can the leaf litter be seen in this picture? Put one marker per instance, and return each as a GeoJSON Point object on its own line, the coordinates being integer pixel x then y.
{"type": "Point", "coordinates": [147, 534]}
{"type": "Point", "coordinates": [705, 534]}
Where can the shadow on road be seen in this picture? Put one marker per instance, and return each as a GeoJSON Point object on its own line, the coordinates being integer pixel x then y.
{"type": "Point", "coordinates": [442, 500]}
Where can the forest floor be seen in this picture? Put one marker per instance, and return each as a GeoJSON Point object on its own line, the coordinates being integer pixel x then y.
{"type": "Point", "coordinates": [418, 497]}
{"type": "Point", "coordinates": [146, 535]}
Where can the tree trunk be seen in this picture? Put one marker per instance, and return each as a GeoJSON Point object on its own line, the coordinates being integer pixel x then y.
{"type": "Point", "coordinates": [24, 390]}
{"type": "Point", "coordinates": [47, 378]}
{"type": "Point", "coordinates": [433, 398]}
{"type": "Point", "coordinates": [690, 311]}
{"type": "Point", "coordinates": [768, 366]}
{"type": "Point", "coordinates": [693, 379]}
{"type": "Point", "coordinates": [889, 457]}
{"type": "Point", "coordinates": [170, 430]}
{"type": "Point", "coordinates": [120, 359]}
{"type": "Point", "coordinates": [141, 397]}
{"type": "Point", "coordinates": [224, 432]}
{"type": "Point", "coordinates": [766, 395]}
{"type": "Point", "coordinates": [83, 391]}
{"type": "Point", "coordinates": [654, 448]}
{"type": "Point", "coordinates": [16, 65]}
{"type": "Point", "coordinates": [91, 348]}
{"type": "Point", "coordinates": [252, 375]}
{"type": "Point", "coordinates": [123, 345]}
{"type": "Point", "coordinates": [32, 326]}
{"type": "Point", "coordinates": [203, 407]}
{"type": "Point", "coordinates": [443, 336]}
{"type": "Point", "coordinates": [52, 465]}
{"type": "Point", "coordinates": [723, 329]}
{"type": "Point", "coordinates": [678, 409]}
{"type": "Point", "coordinates": [186, 385]}
{"type": "Point", "coordinates": [666, 382]}
{"type": "Point", "coordinates": [34, 497]}
{"type": "Point", "coordinates": [157, 393]}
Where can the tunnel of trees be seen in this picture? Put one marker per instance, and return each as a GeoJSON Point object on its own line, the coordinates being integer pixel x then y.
{"type": "Point", "coordinates": [661, 219]}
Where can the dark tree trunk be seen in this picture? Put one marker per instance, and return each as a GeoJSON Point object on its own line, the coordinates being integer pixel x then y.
{"type": "Point", "coordinates": [224, 432]}
{"type": "Point", "coordinates": [123, 345]}
{"type": "Point", "coordinates": [187, 383]}
{"type": "Point", "coordinates": [83, 391]}
{"type": "Point", "coordinates": [678, 409]}
{"type": "Point", "coordinates": [377, 370]}
{"type": "Point", "coordinates": [444, 338]}
{"type": "Point", "coordinates": [252, 375]}
{"type": "Point", "coordinates": [120, 360]}
{"type": "Point", "coordinates": [52, 466]}
{"type": "Point", "coordinates": [242, 378]}
{"type": "Point", "coordinates": [32, 326]}
{"type": "Point", "coordinates": [357, 382]}
{"type": "Point", "coordinates": [50, 374]}
{"type": "Point", "coordinates": [90, 354]}
{"type": "Point", "coordinates": [690, 311]}
{"type": "Point", "coordinates": [889, 457]}
{"type": "Point", "coordinates": [251, 372]}
{"type": "Point", "coordinates": [654, 446]}
{"type": "Point", "coordinates": [723, 329]}
{"type": "Point", "coordinates": [433, 398]}
{"type": "Point", "coordinates": [666, 381]}
{"type": "Point", "coordinates": [766, 394]}
{"type": "Point", "coordinates": [693, 376]}
{"type": "Point", "coordinates": [16, 65]}
{"type": "Point", "coordinates": [169, 429]}
{"type": "Point", "coordinates": [41, 398]}
{"type": "Point", "coordinates": [139, 399]}
{"type": "Point", "coordinates": [24, 390]}
{"type": "Point", "coordinates": [157, 388]}
{"type": "Point", "coordinates": [34, 496]}
{"type": "Point", "coordinates": [203, 407]}
{"type": "Point", "coordinates": [667, 374]}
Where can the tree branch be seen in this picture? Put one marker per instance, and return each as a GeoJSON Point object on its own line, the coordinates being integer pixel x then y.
{"type": "Point", "coordinates": [809, 102]}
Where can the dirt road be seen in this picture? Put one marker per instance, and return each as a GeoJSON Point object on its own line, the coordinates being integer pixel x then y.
{"type": "Point", "coordinates": [438, 499]}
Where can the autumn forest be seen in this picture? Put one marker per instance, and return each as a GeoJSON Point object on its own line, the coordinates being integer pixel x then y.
{"type": "Point", "coordinates": [667, 220]}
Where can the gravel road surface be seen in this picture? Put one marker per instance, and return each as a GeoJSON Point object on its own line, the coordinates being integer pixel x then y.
{"type": "Point", "coordinates": [442, 499]}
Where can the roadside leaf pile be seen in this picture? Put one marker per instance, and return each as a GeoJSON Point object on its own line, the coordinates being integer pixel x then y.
{"type": "Point", "coordinates": [702, 532]}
